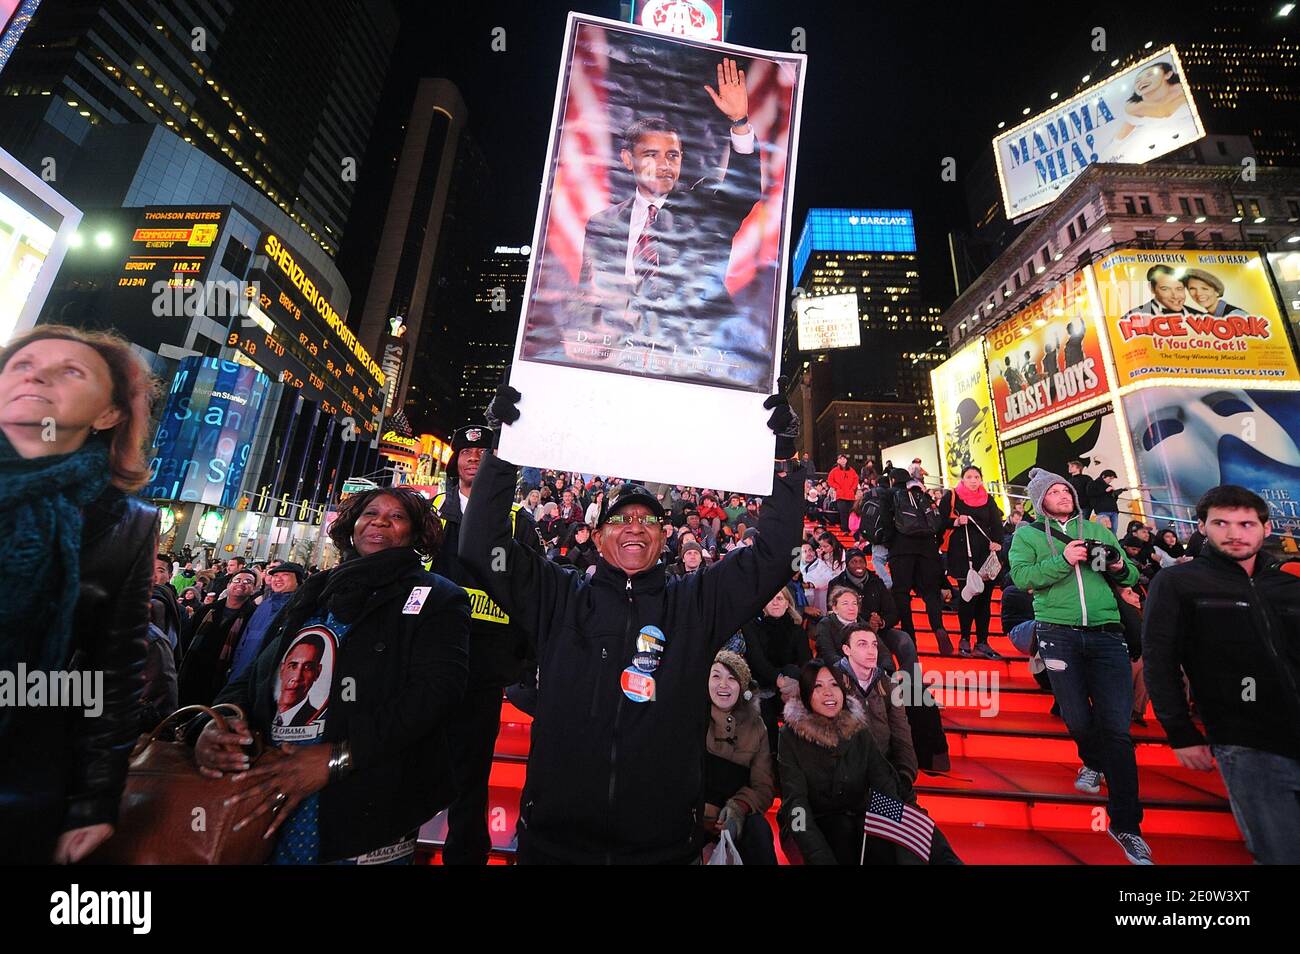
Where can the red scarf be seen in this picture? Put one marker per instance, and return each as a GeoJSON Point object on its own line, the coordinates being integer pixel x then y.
{"type": "Point", "coordinates": [972, 498]}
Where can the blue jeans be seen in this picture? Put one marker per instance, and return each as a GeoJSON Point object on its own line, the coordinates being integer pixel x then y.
{"type": "Point", "coordinates": [1264, 789]}
{"type": "Point", "coordinates": [901, 645]}
{"type": "Point", "coordinates": [880, 559]}
{"type": "Point", "coordinates": [1092, 679]}
{"type": "Point", "coordinates": [1021, 635]}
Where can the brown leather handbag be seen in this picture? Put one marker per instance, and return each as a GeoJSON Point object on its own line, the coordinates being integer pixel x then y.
{"type": "Point", "coordinates": [172, 815]}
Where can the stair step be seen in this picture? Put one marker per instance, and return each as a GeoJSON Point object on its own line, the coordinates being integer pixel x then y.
{"type": "Point", "coordinates": [989, 845]}
{"type": "Point", "coordinates": [1014, 733]}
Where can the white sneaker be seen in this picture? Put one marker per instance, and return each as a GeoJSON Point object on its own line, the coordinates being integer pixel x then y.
{"type": "Point", "coordinates": [1089, 780]}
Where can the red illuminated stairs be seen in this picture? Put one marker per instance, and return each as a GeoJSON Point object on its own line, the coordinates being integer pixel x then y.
{"type": "Point", "coordinates": [1009, 797]}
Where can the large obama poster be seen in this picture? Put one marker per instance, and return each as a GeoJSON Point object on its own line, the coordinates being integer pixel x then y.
{"type": "Point", "coordinates": [658, 281]}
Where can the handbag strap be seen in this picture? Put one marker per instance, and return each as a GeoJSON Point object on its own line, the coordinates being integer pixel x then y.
{"type": "Point", "coordinates": [213, 712]}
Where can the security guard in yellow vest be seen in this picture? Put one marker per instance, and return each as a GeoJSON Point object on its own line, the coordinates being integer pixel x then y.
{"type": "Point", "coordinates": [498, 651]}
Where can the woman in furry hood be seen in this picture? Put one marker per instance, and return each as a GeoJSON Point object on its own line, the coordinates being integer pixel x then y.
{"type": "Point", "coordinates": [829, 766]}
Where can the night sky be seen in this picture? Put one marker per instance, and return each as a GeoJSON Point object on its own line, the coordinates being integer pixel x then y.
{"type": "Point", "coordinates": [891, 90]}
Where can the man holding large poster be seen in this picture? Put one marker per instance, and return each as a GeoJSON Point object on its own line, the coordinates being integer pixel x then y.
{"type": "Point", "coordinates": [615, 769]}
{"type": "Point", "coordinates": [660, 255]}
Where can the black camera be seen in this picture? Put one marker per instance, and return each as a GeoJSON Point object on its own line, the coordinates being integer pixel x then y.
{"type": "Point", "coordinates": [1101, 554]}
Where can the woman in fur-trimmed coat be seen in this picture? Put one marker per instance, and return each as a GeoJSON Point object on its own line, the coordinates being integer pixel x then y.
{"type": "Point", "coordinates": [829, 766]}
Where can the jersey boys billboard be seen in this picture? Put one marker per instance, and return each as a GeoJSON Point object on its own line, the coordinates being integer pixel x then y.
{"type": "Point", "coordinates": [1047, 357]}
{"type": "Point", "coordinates": [1134, 116]}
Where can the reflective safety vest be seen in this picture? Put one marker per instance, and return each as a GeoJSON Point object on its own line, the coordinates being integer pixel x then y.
{"type": "Point", "coordinates": [481, 606]}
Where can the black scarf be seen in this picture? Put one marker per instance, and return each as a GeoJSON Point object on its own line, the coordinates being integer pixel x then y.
{"type": "Point", "coordinates": [346, 589]}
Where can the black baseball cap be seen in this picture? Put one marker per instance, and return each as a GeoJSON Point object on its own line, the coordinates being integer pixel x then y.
{"type": "Point", "coordinates": [625, 495]}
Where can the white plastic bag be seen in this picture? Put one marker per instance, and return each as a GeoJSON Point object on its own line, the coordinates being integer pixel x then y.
{"type": "Point", "coordinates": [725, 851]}
{"type": "Point", "coordinates": [974, 582]}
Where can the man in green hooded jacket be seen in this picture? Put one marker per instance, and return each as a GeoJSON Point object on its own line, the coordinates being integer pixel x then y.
{"type": "Point", "coordinates": [1071, 564]}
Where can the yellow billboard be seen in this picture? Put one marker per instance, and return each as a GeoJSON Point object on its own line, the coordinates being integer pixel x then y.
{"type": "Point", "coordinates": [963, 408]}
{"type": "Point", "coordinates": [1194, 316]}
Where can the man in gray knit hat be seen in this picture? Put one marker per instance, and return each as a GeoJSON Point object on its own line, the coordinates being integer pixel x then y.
{"type": "Point", "coordinates": [1070, 564]}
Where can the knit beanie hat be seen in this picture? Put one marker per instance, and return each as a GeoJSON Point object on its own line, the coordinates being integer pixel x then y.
{"type": "Point", "coordinates": [736, 664]}
{"type": "Point", "coordinates": [1040, 482]}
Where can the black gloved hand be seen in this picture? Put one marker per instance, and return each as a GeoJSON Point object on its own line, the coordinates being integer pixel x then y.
{"type": "Point", "coordinates": [784, 422]}
{"type": "Point", "coordinates": [504, 407]}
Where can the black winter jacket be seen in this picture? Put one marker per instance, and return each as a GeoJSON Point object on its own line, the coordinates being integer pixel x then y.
{"type": "Point", "coordinates": [901, 544]}
{"type": "Point", "coordinates": [611, 779]}
{"type": "Point", "coordinates": [874, 597]}
{"type": "Point", "coordinates": [774, 646]}
{"type": "Point", "coordinates": [498, 647]}
{"type": "Point", "coordinates": [203, 671]}
{"type": "Point", "coordinates": [60, 769]}
{"type": "Point", "coordinates": [1223, 628]}
{"type": "Point", "coordinates": [829, 767]}
{"type": "Point", "coordinates": [408, 673]}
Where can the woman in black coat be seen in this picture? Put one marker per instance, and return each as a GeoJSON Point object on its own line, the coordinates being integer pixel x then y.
{"type": "Point", "coordinates": [579, 549]}
{"type": "Point", "coordinates": [354, 684]}
{"type": "Point", "coordinates": [830, 765]}
{"type": "Point", "coordinates": [976, 524]}
{"type": "Point", "coordinates": [77, 602]}
{"type": "Point", "coordinates": [776, 647]}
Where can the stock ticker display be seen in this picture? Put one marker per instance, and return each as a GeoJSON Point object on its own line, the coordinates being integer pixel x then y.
{"type": "Point", "coordinates": [298, 337]}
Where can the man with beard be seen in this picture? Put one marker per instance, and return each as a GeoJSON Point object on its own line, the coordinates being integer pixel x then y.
{"type": "Point", "coordinates": [1228, 619]}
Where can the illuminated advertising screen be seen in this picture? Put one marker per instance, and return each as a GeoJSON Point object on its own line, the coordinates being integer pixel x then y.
{"type": "Point", "coordinates": [1189, 439]}
{"type": "Point", "coordinates": [35, 225]}
{"type": "Point", "coordinates": [1047, 357]}
{"type": "Point", "coordinates": [1091, 436]}
{"type": "Point", "coordinates": [694, 19]}
{"type": "Point", "coordinates": [1192, 315]}
{"type": "Point", "coordinates": [1140, 114]}
{"type": "Point", "coordinates": [14, 17]}
{"type": "Point", "coordinates": [160, 282]}
{"type": "Point", "coordinates": [301, 340]}
{"type": "Point", "coordinates": [963, 408]}
{"type": "Point", "coordinates": [206, 431]}
{"type": "Point", "coordinates": [828, 321]}
{"type": "Point", "coordinates": [1286, 272]}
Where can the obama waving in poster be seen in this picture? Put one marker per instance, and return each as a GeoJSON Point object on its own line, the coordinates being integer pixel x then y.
{"type": "Point", "coordinates": [663, 252]}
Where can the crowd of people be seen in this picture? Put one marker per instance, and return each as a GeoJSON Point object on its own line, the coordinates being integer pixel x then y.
{"type": "Point", "coordinates": [688, 655]}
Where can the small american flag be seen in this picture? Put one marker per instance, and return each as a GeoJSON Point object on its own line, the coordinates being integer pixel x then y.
{"type": "Point", "coordinates": [902, 824]}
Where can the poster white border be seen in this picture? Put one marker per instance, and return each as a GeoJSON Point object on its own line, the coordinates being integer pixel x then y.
{"type": "Point", "coordinates": [591, 421]}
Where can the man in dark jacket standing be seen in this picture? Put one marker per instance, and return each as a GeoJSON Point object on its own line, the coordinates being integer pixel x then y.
{"type": "Point", "coordinates": [1080, 481]}
{"type": "Point", "coordinates": [614, 773]}
{"type": "Point", "coordinates": [911, 534]}
{"type": "Point", "coordinates": [1230, 620]}
{"type": "Point", "coordinates": [497, 651]}
{"type": "Point", "coordinates": [205, 669]}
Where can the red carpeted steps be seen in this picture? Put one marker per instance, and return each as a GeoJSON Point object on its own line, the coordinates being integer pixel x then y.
{"type": "Point", "coordinates": [1009, 797]}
